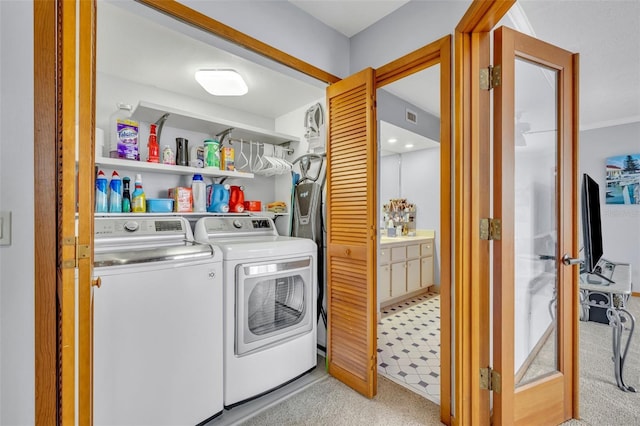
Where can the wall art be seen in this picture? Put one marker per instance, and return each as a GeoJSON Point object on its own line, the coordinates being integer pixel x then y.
{"type": "Point", "coordinates": [623, 179]}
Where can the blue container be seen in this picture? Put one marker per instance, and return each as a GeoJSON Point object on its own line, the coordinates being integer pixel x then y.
{"type": "Point", "coordinates": [115, 193]}
{"type": "Point", "coordinates": [101, 193]}
{"type": "Point", "coordinates": [159, 205]}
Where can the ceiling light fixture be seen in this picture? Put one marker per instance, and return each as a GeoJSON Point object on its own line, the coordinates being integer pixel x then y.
{"type": "Point", "coordinates": [222, 82]}
{"type": "Point", "coordinates": [409, 146]}
{"type": "Point", "coordinates": [392, 140]}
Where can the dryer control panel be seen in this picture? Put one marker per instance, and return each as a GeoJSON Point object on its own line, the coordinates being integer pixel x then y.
{"type": "Point", "coordinates": [217, 226]}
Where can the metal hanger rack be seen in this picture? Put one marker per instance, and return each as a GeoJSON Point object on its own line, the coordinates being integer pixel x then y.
{"type": "Point", "coordinates": [227, 134]}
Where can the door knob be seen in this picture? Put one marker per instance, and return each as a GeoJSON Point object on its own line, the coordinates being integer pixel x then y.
{"type": "Point", "coordinates": [568, 260]}
{"type": "Point", "coordinates": [97, 282]}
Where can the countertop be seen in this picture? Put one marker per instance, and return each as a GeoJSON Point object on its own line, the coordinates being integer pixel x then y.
{"type": "Point", "coordinates": [422, 235]}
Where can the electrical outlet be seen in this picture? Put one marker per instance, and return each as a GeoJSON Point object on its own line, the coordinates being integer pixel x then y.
{"type": "Point", "coordinates": [5, 228]}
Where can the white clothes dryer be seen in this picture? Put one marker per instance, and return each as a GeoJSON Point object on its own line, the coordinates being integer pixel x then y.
{"type": "Point", "coordinates": [269, 304]}
{"type": "Point", "coordinates": [157, 323]}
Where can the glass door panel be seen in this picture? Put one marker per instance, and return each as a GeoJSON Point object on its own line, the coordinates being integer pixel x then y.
{"type": "Point", "coordinates": [535, 225]}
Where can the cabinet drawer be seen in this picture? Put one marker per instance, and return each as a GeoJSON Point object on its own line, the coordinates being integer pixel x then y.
{"type": "Point", "coordinates": [427, 248]}
{"type": "Point", "coordinates": [398, 253]}
{"type": "Point", "coordinates": [413, 251]}
{"type": "Point", "coordinates": [384, 256]}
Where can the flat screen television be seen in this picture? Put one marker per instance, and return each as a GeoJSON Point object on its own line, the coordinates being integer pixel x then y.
{"type": "Point", "coordinates": [591, 225]}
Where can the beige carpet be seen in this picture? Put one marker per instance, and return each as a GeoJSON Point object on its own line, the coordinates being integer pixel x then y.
{"type": "Point", "coordinates": [330, 402]}
{"type": "Point", "coordinates": [601, 402]}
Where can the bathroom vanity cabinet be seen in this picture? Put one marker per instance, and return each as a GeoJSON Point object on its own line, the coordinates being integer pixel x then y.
{"type": "Point", "coordinates": [405, 267]}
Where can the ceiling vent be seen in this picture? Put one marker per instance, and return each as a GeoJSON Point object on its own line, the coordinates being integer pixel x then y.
{"type": "Point", "coordinates": [411, 116]}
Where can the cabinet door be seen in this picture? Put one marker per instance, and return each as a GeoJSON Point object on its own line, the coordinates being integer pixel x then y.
{"type": "Point", "coordinates": [398, 253]}
{"type": "Point", "coordinates": [413, 251]}
{"type": "Point", "coordinates": [384, 283]}
{"type": "Point", "coordinates": [398, 279]}
{"type": "Point", "coordinates": [426, 271]}
{"type": "Point", "coordinates": [413, 275]}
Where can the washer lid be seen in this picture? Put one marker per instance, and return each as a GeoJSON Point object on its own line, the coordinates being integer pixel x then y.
{"type": "Point", "coordinates": [125, 256]}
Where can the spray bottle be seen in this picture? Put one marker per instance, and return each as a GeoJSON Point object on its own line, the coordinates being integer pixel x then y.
{"type": "Point", "coordinates": [139, 200]}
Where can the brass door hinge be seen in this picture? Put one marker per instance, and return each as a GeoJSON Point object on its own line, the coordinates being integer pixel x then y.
{"type": "Point", "coordinates": [82, 251]}
{"type": "Point", "coordinates": [490, 229]}
{"type": "Point", "coordinates": [490, 77]}
{"type": "Point", "coordinates": [490, 380]}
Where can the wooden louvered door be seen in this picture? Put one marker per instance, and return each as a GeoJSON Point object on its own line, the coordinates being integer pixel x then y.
{"type": "Point", "coordinates": [351, 232]}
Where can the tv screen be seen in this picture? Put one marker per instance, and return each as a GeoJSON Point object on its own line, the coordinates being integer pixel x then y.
{"type": "Point", "coordinates": [591, 225]}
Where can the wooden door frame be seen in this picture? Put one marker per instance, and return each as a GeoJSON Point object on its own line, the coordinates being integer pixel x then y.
{"type": "Point", "coordinates": [471, 175]}
{"type": "Point", "coordinates": [85, 205]}
{"type": "Point", "coordinates": [471, 274]}
{"type": "Point", "coordinates": [438, 52]}
{"type": "Point", "coordinates": [45, 112]}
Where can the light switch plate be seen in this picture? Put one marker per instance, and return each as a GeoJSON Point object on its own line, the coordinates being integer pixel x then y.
{"type": "Point", "coordinates": [5, 228]}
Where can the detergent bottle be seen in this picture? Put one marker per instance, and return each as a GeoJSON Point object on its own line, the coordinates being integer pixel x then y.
{"type": "Point", "coordinates": [115, 193]}
{"type": "Point", "coordinates": [154, 148]}
{"type": "Point", "coordinates": [198, 189]}
{"type": "Point", "coordinates": [218, 198]}
{"type": "Point", "coordinates": [102, 205]}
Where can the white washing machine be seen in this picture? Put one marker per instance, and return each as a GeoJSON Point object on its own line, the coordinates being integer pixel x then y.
{"type": "Point", "coordinates": [157, 344]}
{"type": "Point", "coordinates": [269, 304]}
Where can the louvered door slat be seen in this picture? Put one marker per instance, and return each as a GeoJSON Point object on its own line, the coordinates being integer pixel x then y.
{"type": "Point", "coordinates": [351, 262]}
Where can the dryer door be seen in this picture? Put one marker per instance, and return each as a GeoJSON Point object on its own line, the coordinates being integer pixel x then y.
{"type": "Point", "coordinates": [274, 302]}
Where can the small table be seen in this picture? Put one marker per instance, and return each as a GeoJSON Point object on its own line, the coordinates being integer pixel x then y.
{"type": "Point", "coordinates": [615, 297]}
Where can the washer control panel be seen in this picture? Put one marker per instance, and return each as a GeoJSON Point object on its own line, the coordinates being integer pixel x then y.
{"type": "Point", "coordinates": [130, 226]}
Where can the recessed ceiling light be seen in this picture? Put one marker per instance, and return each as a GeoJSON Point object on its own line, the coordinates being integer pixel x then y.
{"type": "Point", "coordinates": [392, 140]}
{"type": "Point", "coordinates": [222, 82]}
{"type": "Point", "coordinates": [409, 146]}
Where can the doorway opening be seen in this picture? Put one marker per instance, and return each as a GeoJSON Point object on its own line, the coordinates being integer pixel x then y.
{"type": "Point", "coordinates": [409, 245]}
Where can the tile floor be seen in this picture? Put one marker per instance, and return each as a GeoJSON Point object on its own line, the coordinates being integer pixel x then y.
{"type": "Point", "coordinates": [409, 344]}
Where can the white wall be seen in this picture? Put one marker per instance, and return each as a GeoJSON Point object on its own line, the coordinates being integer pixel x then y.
{"type": "Point", "coordinates": [620, 223]}
{"type": "Point", "coordinates": [410, 27]}
{"type": "Point", "coordinates": [17, 403]}
{"type": "Point", "coordinates": [284, 26]}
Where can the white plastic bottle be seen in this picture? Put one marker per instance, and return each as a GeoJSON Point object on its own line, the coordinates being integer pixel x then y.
{"type": "Point", "coordinates": [198, 189]}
